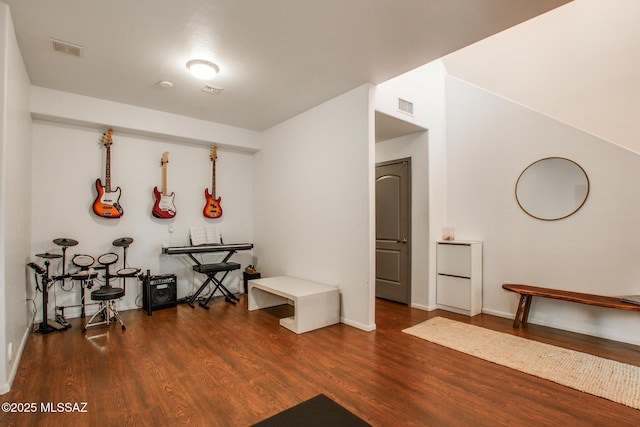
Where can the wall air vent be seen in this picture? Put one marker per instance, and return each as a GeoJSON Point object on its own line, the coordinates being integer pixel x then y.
{"type": "Point", "coordinates": [405, 106]}
{"type": "Point", "coordinates": [68, 48]}
{"type": "Point", "coordinates": [211, 88]}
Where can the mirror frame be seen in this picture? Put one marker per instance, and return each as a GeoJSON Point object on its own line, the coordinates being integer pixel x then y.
{"type": "Point", "coordinates": [586, 196]}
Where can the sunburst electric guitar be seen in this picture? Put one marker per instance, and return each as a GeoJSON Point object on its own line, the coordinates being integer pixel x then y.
{"type": "Point", "coordinates": [212, 208]}
{"type": "Point", "coordinates": [164, 207]}
{"type": "Point", "coordinates": [106, 204]}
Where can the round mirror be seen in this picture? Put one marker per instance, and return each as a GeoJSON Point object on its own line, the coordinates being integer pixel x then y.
{"type": "Point", "coordinates": [552, 188]}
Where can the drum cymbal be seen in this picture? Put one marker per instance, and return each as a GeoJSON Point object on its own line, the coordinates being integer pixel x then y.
{"type": "Point", "coordinates": [47, 255]}
{"type": "Point", "coordinates": [123, 241]}
{"type": "Point", "coordinates": [65, 242]}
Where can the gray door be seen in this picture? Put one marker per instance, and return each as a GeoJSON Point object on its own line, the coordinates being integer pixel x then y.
{"type": "Point", "coordinates": [393, 230]}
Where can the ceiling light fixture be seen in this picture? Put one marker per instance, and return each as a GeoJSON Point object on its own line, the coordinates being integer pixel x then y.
{"type": "Point", "coordinates": [202, 69]}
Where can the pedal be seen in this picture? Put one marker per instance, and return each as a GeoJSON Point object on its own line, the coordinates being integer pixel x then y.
{"type": "Point", "coordinates": [62, 321]}
{"type": "Point", "coordinates": [55, 325]}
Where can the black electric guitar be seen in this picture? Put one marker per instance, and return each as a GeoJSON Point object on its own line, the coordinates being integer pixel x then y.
{"type": "Point", "coordinates": [106, 204]}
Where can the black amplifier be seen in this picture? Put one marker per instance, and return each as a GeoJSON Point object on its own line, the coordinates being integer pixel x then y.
{"type": "Point", "coordinates": [159, 292]}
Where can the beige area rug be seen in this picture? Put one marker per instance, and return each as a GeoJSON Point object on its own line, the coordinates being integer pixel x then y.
{"type": "Point", "coordinates": [601, 377]}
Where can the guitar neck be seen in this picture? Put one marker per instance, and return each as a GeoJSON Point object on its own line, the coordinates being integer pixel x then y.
{"type": "Point", "coordinates": [213, 179]}
{"type": "Point", "coordinates": [164, 179]}
{"type": "Point", "coordinates": [107, 174]}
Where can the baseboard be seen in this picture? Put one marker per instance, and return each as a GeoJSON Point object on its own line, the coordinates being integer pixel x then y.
{"type": "Point", "coordinates": [564, 327]}
{"type": "Point", "coordinates": [498, 313]}
{"type": "Point", "coordinates": [17, 357]}
{"type": "Point", "coordinates": [584, 331]}
{"type": "Point", "coordinates": [423, 307]}
{"type": "Point", "coordinates": [92, 309]}
{"type": "Point", "coordinates": [358, 325]}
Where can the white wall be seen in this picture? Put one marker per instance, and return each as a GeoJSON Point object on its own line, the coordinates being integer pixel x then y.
{"type": "Point", "coordinates": [15, 199]}
{"type": "Point", "coordinates": [490, 142]}
{"type": "Point", "coordinates": [423, 86]}
{"type": "Point", "coordinates": [313, 201]}
{"type": "Point", "coordinates": [67, 160]}
{"type": "Point", "coordinates": [578, 63]}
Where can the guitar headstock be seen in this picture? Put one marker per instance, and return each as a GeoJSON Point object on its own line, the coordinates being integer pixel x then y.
{"type": "Point", "coordinates": [106, 138]}
{"type": "Point", "coordinates": [165, 158]}
{"type": "Point", "coordinates": [214, 153]}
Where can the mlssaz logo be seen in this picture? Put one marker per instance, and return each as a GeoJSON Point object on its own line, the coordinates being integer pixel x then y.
{"type": "Point", "coordinates": [63, 407]}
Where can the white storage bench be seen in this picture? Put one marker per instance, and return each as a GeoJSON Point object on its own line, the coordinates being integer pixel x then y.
{"type": "Point", "coordinates": [316, 305]}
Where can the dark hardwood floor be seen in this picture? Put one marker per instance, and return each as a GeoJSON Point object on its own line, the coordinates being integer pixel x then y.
{"type": "Point", "coordinates": [231, 367]}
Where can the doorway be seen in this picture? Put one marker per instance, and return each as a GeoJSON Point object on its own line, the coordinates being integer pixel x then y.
{"type": "Point", "coordinates": [393, 230]}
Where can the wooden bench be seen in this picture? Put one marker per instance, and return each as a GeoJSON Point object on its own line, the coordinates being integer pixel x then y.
{"type": "Point", "coordinates": [316, 305]}
{"type": "Point", "coordinates": [528, 292]}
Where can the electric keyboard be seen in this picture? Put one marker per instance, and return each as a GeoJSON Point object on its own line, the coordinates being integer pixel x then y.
{"type": "Point", "coordinates": [217, 247]}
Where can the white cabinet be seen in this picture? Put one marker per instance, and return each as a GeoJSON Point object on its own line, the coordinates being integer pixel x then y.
{"type": "Point", "coordinates": [459, 276]}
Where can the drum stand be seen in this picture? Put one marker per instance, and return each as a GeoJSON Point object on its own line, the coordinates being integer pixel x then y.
{"type": "Point", "coordinates": [46, 325]}
{"type": "Point", "coordinates": [125, 272]}
{"type": "Point", "coordinates": [64, 243]}
{"type": "Point", "coordinates": [86, 282]}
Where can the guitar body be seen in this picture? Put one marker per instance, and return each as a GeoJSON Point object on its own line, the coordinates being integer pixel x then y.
{"type": "Point", "coordinates": [213, 208]}
{"type": "Point", "coordinates": [107, 203]}
{"type": "Point", "coordinates": [164, 206]}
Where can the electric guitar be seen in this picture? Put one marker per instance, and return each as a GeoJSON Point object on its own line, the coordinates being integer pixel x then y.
{"type": "Point", "coordinates": [164, 207]}
{"type": "Point", "coordinates": [212, 208]}
{"type": "Point", "coordinates": [106, 204]}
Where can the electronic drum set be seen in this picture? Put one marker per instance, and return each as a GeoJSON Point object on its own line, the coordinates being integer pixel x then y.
{"type": "Point", "coordinates": [86, 273]}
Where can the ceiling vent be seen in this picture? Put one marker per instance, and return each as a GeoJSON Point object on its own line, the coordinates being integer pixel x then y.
{"type": "Point", "coordinates": [209, 88]}
{"type": "Point", "coordinates": [68, 48]}
{"type": "Point", "coordinates": [405, 106]}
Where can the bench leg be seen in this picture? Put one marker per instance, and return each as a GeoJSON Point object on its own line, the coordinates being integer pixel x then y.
{"type": "Point", "coordinates": [525, 315]}
{"type": "Point", "coordinates": [522, 314]}
{"type": "Point", "coordinates": [314, 312]}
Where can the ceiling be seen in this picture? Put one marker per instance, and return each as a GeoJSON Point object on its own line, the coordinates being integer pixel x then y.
{"type": "Point", "coordinates": [277, 58]}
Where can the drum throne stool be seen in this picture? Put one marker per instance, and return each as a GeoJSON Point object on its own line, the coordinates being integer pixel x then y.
{"type": "Point", "coordinates": [106, 295]}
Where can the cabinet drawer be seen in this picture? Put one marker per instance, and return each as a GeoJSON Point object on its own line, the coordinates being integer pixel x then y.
{"type": "Point", "coordinates": [454, 292]}
{"type": "Point", "coordinates": [454, 259]}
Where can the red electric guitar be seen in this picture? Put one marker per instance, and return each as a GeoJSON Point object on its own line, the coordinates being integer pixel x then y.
{"type": "Point", "coordinates": [164, 207]}
{"type": "Point", "coordinates": [212, 208]}
{"type": "Point", "coordinates": [106, 204]}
